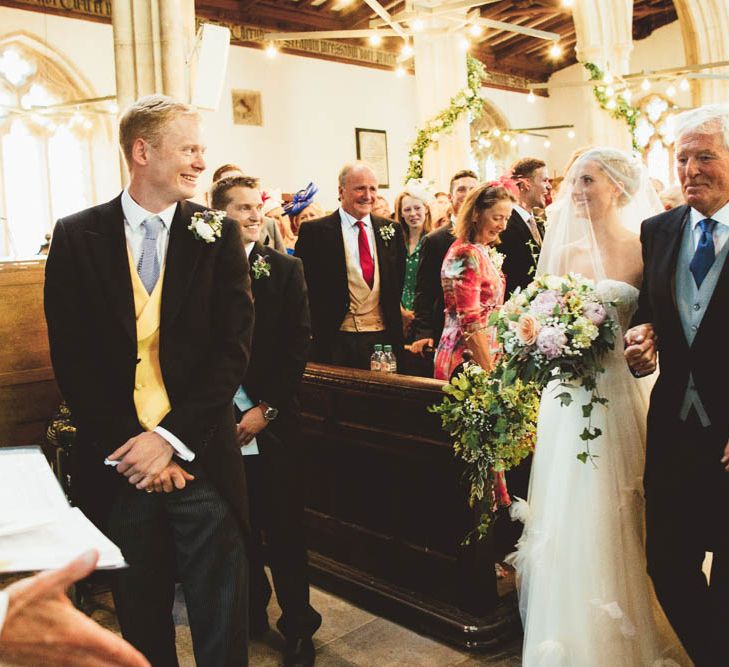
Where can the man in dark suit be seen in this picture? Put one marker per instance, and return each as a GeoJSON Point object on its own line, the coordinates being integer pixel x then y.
{"type": "Point", "coordinates": [267, 411]}
{"type": "Point", "coordinates": [150, 324]}
{"type": "Point", "coordinates": [682, 314]}
{"type": "Point", "coordinates": [522, 239]}
{"type": "Point", "coordinates": [429, 304]}
{"type": "Point", "coordinates": [354, 268]}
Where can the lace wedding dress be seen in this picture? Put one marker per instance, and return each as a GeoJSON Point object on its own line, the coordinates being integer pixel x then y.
{"type": "Point", "coordinates": [584, 594]}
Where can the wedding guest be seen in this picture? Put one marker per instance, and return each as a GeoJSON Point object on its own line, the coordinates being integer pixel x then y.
{"type": "Point", "coordinates": [40, 626]}
{"type": "Point", "coordinates": [267, 412]}
{"type": "Point", "coordinates": [148, 346]}
{"type": "Point", "coordinates": [273, 211]}
{"type": "Point", "coordinates": [300, 209]}
{"type": "Point", "coordinates": [473, 283]}
{"type": "Point", "coordinates": [413, 214]}
{"type": "Point", "coordinates": [522, 239]}
{"type": "Point", "coordinates": [271, 234]}
{"type": "Point", "coordinates": [429, 303]}
{"type": "Point", "coordinates": [382, 207]}
{"type": "Point", "coordinates": [353, 265]}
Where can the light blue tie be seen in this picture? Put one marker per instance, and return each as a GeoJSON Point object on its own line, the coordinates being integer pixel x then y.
{"type": "Point", "coordinates": [148, 267]}
{"type": "Point", "coordinates": [704, 255]}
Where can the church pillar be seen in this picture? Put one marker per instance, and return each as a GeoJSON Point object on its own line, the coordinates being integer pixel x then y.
{"type": "Point", "coordinates": [440, 72]}
{"type": "Point", "coordinates": [705, 25]}
{"type": "Point", "coordinates": [604, 37]}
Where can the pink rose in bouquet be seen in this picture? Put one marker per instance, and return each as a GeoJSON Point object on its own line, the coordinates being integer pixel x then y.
{"type": "Point", "coordinates": [595, 312]}
{"type": "Point", "coordinates": [544, 303]}
{"type": "Point", "coordinates": [551, 342]}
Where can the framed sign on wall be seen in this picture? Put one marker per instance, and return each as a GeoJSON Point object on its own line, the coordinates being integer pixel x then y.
{"type": "Point", "coordinates": [372, 149]}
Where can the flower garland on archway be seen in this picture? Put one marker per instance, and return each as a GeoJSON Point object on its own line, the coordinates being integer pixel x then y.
{"type": "Point", "coordinates": [466, 100]}
{"type": "Point", "coordinates": [616, 105]}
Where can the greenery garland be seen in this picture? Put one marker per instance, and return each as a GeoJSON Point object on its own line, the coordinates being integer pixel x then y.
{"type": "Point", "coordinates": [623, 110]}
{"type": "Point", "coordinates": [468, 99]}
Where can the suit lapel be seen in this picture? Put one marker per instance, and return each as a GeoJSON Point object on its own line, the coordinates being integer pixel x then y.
{"type": "Point", "coordinates": [108, 250]}
{"type": "Point", "coordinates": [183, 252]}
{"type": "Point", "coordinates": [339, 259]}
{"type": "Point", "coordinates": [669, 247]}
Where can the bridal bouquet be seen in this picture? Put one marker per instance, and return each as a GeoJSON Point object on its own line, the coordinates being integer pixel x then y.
{"type": "Point", "coordinates": [558, 328]}
{"type": "Point", "coordinates": [493, 428]}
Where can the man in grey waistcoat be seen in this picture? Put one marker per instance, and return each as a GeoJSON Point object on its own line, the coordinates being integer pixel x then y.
{"type": "Point", "coordinates": [681, 317]}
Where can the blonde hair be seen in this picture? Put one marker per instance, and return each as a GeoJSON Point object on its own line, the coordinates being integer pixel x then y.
{"type": "Point", "coordinates": [478, 200]}
{"type": "Point", "coordinates": [295, 221]}
{"type": "Point", "coordinates": [427, 224]}
{"type": "Point", "coordinates": [146, 119]}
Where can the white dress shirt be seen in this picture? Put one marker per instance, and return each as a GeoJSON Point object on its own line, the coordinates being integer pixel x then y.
{"type": "Point", "coordinates": [721, 230]}
{"type": "Point", "coordinates": [134, 216]}
{"type": "Point", "coordinates": [350, 232]}
{"type": "Point", "coordinates": [525, 215]}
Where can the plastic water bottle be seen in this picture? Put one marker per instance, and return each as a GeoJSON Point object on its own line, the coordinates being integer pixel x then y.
{"type": "Point", "coordinates": [389, 360]}
{"type": "Point", "coordinates": [376, 360]}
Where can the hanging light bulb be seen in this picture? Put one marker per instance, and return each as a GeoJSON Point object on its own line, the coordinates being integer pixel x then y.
{"type": "Point", "coordinates": [610, 91]}
{"type": "Point", "coordinates": [406, 50]}
{"type": "Point", "coordinates": [496, 132]}
{"type": "Point", "coordinates": [646, 85]}
{"type": "Point", "coordinates": [627, 94]}
{"type": "Point", "coordinates": [567, 3]}
{"type": "Point", "coordinates": [375, 40]}
{"type": "Point", "coordinates": [555, 51]}
{"type": "Point", "coordinates": [608, 78]}
{"type": "Point", "coordinates": [507, 138]}
{"type": "Point", "coordinates": [417, 25]}
{"type": "Point", "coordinates": [684, 85]}
{"type": "Point", "coordinates": [611, 104]}
{"type": "Point", "coordinates": [525, 138]}
{"type": "Point", "coordinates": [547, 143]}
{"type": "Point", "coordinates": [571, 134]}
{"type": "Point", "coordinates": [487, 143]}
{"type": "Point", "coordinates": [463, 43]}
{"type": "Point", "coordinates": [476, 30]}
{"type": "Point", "coordinates": [271, 50]}
{"type": "Point", "coordinates": [400, 71]}
{"type": "Point", "coordinates": [671, 91]}
{"type": "Point", "coordinates": [531, 97]}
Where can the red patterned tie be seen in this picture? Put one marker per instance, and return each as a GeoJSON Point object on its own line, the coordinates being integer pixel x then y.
{"type": "Point", "coordinates": [365, 256]}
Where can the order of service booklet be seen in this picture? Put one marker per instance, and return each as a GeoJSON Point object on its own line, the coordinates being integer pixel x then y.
{"type": "Point", "coordinates": [39, 530]}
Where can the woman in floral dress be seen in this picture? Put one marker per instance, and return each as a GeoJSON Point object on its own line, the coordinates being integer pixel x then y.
{"type": "Point", "coordinates": [473, 284]}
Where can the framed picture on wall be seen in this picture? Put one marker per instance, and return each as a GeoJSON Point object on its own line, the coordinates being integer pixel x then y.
{"type": "Point", "coordinates": [247, 107]}
{"type": "Point", "coordinates": [372, 149]}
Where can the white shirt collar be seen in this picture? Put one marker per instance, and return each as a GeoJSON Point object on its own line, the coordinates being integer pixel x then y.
{"type": "Point", "coordinates": [721, 216]}
{"type": "Point", "coordinates": [351, 220]}
{"type": "Point", "coordinates": [525, 215]}
{"type": "Point", "coordinates": [135, 215]}
{"type": "Point", "coordinates": [249, 248]}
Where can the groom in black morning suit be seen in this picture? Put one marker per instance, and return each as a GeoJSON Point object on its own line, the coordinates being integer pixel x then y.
{"type": "Point", "coordinates": [683, 313]}
{"type": "Point", "coordinates": [267, 410]}
{"type": "Point", "coordinates": [150, 327]}
{"type": "Point", "coordinates": [354, 264]}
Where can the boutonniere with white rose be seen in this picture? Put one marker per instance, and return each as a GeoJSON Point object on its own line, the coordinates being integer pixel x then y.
{"type": "Point", "coordinates": [387, 233]}
{"type": "Point", "coordinates": [260, 268]}
{"type": "Point", "coordinates": [497, 259]}
{"type": "Point", "coordinates": [207, 225]}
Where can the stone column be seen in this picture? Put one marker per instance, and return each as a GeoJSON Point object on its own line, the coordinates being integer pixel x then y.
{"type": "Point", "coordinates": [152, 39]}
{"type": "Point", "coordinates": [705, 25]}
{"type": "Point", "coordinates": [604, 37]}
{"type": "Point", "coordinates": [440, 72]}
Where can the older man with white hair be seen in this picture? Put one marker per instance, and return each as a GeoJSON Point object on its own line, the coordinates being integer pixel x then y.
{"type": "Point", "coordinates": [681, 317]}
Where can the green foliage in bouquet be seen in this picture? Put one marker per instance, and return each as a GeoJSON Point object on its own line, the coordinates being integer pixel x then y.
{"type": "Point", "coordinates": [557, 329]}
{"type": "Point", "coordinates": [493, 427]}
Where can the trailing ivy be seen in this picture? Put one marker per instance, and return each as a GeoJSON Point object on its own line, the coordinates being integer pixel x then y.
{"type": "Point", "coordinates": [622, 110]}
{"type": "Point", "coordinates": [466, 100]}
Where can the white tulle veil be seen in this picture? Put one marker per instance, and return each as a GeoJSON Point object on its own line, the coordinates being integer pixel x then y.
{"type": "Point", "coordinates": [570, 240]}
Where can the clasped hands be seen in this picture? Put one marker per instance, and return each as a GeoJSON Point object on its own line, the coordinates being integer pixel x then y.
{"type": "Point", "coordinates": [146, 461]}
{"type": "Point", "coordinates": [640, 349]}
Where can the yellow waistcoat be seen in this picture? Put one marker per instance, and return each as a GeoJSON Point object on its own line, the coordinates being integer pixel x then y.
{"type": "Point", "coordinates": [150, 394]}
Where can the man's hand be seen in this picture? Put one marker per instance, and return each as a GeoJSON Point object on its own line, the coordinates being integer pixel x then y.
{"type": "Point", "coordinates": [640, 349]}
{"type": "Point", "coordinates": [142, 458]}
{"type": "Point", "coordinates": [725, 458]}
{"type": "Point", "coordinates": [418, 346]}
{"type": "Point", "coordinates": [171, 478]}
{"type": "Point", "coordinates": [407, 319]}
{"type": "Point", "coordinates": [42, 627]}
{"type": "Point", "coordinates": [252, 423]}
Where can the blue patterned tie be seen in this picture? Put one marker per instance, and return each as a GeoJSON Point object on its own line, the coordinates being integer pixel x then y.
{"type": "Point", "coordinates": [704, 255]}
{"type": "Point", "coordinates": [148, 267]}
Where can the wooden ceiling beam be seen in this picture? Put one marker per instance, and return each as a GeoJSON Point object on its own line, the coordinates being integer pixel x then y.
{"type": "Point", "coordinates": [495, 38]}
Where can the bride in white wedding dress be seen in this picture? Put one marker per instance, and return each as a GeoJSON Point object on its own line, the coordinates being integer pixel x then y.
{"type": "Point", "coordinates": [584, 594]}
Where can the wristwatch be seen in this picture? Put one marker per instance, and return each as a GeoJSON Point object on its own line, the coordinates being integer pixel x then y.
{"type": "Point", "coordinates": [269, 413]}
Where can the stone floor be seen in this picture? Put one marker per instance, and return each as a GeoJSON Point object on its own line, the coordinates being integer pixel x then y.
{"type": "Point", "coordinates": [348, 637]}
